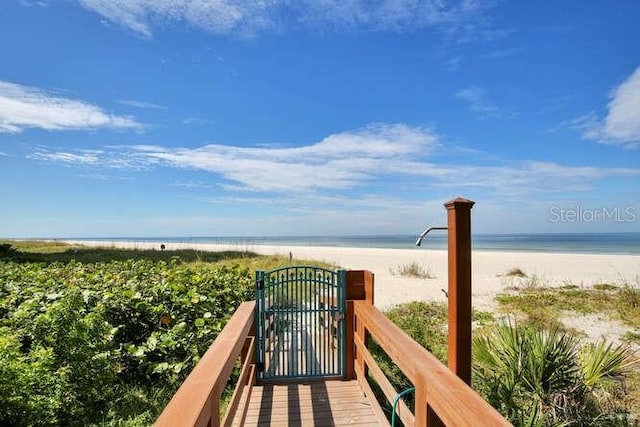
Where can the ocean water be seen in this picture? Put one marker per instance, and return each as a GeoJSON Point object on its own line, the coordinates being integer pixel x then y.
{"type": "Point", "coordinates": [607, 243]}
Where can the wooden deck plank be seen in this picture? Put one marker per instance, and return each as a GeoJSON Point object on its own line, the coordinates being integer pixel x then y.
{"type": "Point", "coordinates": [315, 403]}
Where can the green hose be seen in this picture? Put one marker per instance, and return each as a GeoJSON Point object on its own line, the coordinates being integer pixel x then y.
{"type": "Point", "coordinates": [395, 403]}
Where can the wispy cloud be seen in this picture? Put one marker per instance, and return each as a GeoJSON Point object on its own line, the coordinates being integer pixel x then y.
{"type": "Point", "coordinates": [83, 157]}
{"type": "Point", "coordinates": [528, 178]}
{"type": "Point", "coordinates": [24, 107]}
{"type": "Point", "coordinates": [502, 53]}
{"type": "Point", "coordinates": [142, 104]}
{"type": "Point", "coordinates": [197, 121]}
{"type": "Point", "coordinates": [250, 17]}
{"type": "Point", "coordinates": [454, 63]}
{"type": "Point", "coordinates": [480, 104]}
{"type": "Point", "coordinates": [110, 157]}
{"type": "Point", "coordinates": [621, 125]}
{"type": "Point", "coordinates": [554, 104]}
{"type": "Point", "coordinates": [192, 185]}
{"type": "Point", "coordinates": [106, 177]}
{"type": "Point", "coordinates": [338, 161]}
{"type": "Point", "coordinates": [29, 3]}
{"type": "Point", "coordinates": [350, 161]}
{"type": "Point", "coordinates": [562, 28]}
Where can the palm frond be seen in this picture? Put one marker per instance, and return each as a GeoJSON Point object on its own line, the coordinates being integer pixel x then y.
{"type": "Point", "coordinates": [603, 363]}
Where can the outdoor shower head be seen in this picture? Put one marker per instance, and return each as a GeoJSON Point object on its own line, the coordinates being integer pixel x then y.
{"type": "Point", "coordinates": [424, 233]}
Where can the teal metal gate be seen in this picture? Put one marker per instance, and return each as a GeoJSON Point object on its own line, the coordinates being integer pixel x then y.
{"type": "Point", "coordinates": [300, 323]}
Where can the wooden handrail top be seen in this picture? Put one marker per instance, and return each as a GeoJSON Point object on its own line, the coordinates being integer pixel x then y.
{"type": "Point", "coordinates": [190, 405]}
{"type": "Point", "coordinates": [452, 399]}
{"type": "Point", "coordinates": [457, 404]}
{"type": "Point", "coordinates": [410, 356]}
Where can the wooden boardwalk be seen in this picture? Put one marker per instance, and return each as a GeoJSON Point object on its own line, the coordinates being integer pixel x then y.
{"type": "Point", "coordinates": [441, 394]}
{"type": "Point", "coordinates": [314, 403]}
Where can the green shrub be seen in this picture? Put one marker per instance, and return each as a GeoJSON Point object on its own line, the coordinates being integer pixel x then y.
{"type": "Point", "coordinates": [96, 342]}
{"type": "Point", "coordinates": [32, 387]}
{"type": "Point", "coordinates": [546, 377]}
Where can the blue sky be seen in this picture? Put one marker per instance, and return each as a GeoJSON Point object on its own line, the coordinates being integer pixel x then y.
{"type": "Point", "coordinates": [179, 118]}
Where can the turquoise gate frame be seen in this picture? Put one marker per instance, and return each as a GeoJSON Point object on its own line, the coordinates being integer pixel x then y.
{"type": "Point", "coordinates": [300, 323]}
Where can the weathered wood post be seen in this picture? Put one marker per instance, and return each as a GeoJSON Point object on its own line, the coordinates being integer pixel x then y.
{"type": "Point", "coordinates": [359, 286]}
{"type": "Point", "coordinates": [459, 241]}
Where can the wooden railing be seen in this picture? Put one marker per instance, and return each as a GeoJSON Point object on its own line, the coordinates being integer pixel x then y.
{"type": "Point", "coordinates": [440, 395]}
{"type": "Point", "coordinates": [197, 401]}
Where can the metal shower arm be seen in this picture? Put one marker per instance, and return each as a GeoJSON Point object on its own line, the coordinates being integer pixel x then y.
{"type": "Point", "coordinates": [425, 232]}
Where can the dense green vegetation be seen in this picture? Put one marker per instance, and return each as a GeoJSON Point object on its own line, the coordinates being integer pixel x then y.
{"type": "Point", "coordinates": [534, 374]}
{"type": "Point", "coordinates": [89, 341]}
{"type": "Point", "coordinates": [105, 336]}
{"type": "Point", "coordinates": [547, 376]}
{"type": "Point", "coordinates": [541, 308]}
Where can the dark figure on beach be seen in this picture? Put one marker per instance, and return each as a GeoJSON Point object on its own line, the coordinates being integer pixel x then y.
{"type": "Point", "coordinates": [162, 247]}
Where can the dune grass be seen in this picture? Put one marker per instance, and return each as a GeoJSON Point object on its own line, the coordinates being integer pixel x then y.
{"type": "Point", "coordinates": [515, 272]}
{"type": "Point", "coordinates": [544, 305]}
{"type": "Point", "coordinates": [412, 269]}
{"type": "Point", "coordinates": [54, 251]}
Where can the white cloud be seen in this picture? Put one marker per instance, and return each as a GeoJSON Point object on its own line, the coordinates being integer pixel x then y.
{"type": "Point", "coordinates": [480, 105]}
{"type": "Point", "coordinates": [192, 185]}
{"type": "Point", "coordinates": [526, 178]}
{"type": "Point", "coordinates": [141, 104]}
{"type": "Point", "coordinates": [353, 161]}
{"type": "Point", "coordinates": [249, 17]}
{"type": "Point", "coordinates": [28, 3]}
{"type": "Point", "coordinates": [106, 177]}
{"type": "Point", "coordinates": [338, 161]}
{"type": "Point", "coordinates": [23, 107]}
{"type": "Point", "coordinates": [622, 122]}
{"type": "Point", "coordinates": [85, 157]}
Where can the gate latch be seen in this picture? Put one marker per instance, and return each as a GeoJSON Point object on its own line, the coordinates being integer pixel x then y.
{"type": "Point", "coordinates": [260, 284]}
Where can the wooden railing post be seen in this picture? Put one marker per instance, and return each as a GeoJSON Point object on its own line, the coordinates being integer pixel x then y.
{"type": "Point", "coordinates": [358, 286]}
{"type": "Point", "coordinates": [215, 407]}
{"type": "Point", "coordinates": [350, 372]}
{"type": "Point", "coordinates": [420, 408]}
{"type": "Point", "coordinates": [459, 240]}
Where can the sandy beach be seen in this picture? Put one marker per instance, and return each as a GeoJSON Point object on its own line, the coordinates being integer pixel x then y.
{"type": "Point", "coordinates": [488, 274]}
{"type": "Point", "coordinates": [489, 268]}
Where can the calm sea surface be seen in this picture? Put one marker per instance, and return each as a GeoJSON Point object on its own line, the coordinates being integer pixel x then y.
{"type": "Point", "coordinates": [614, 243]}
